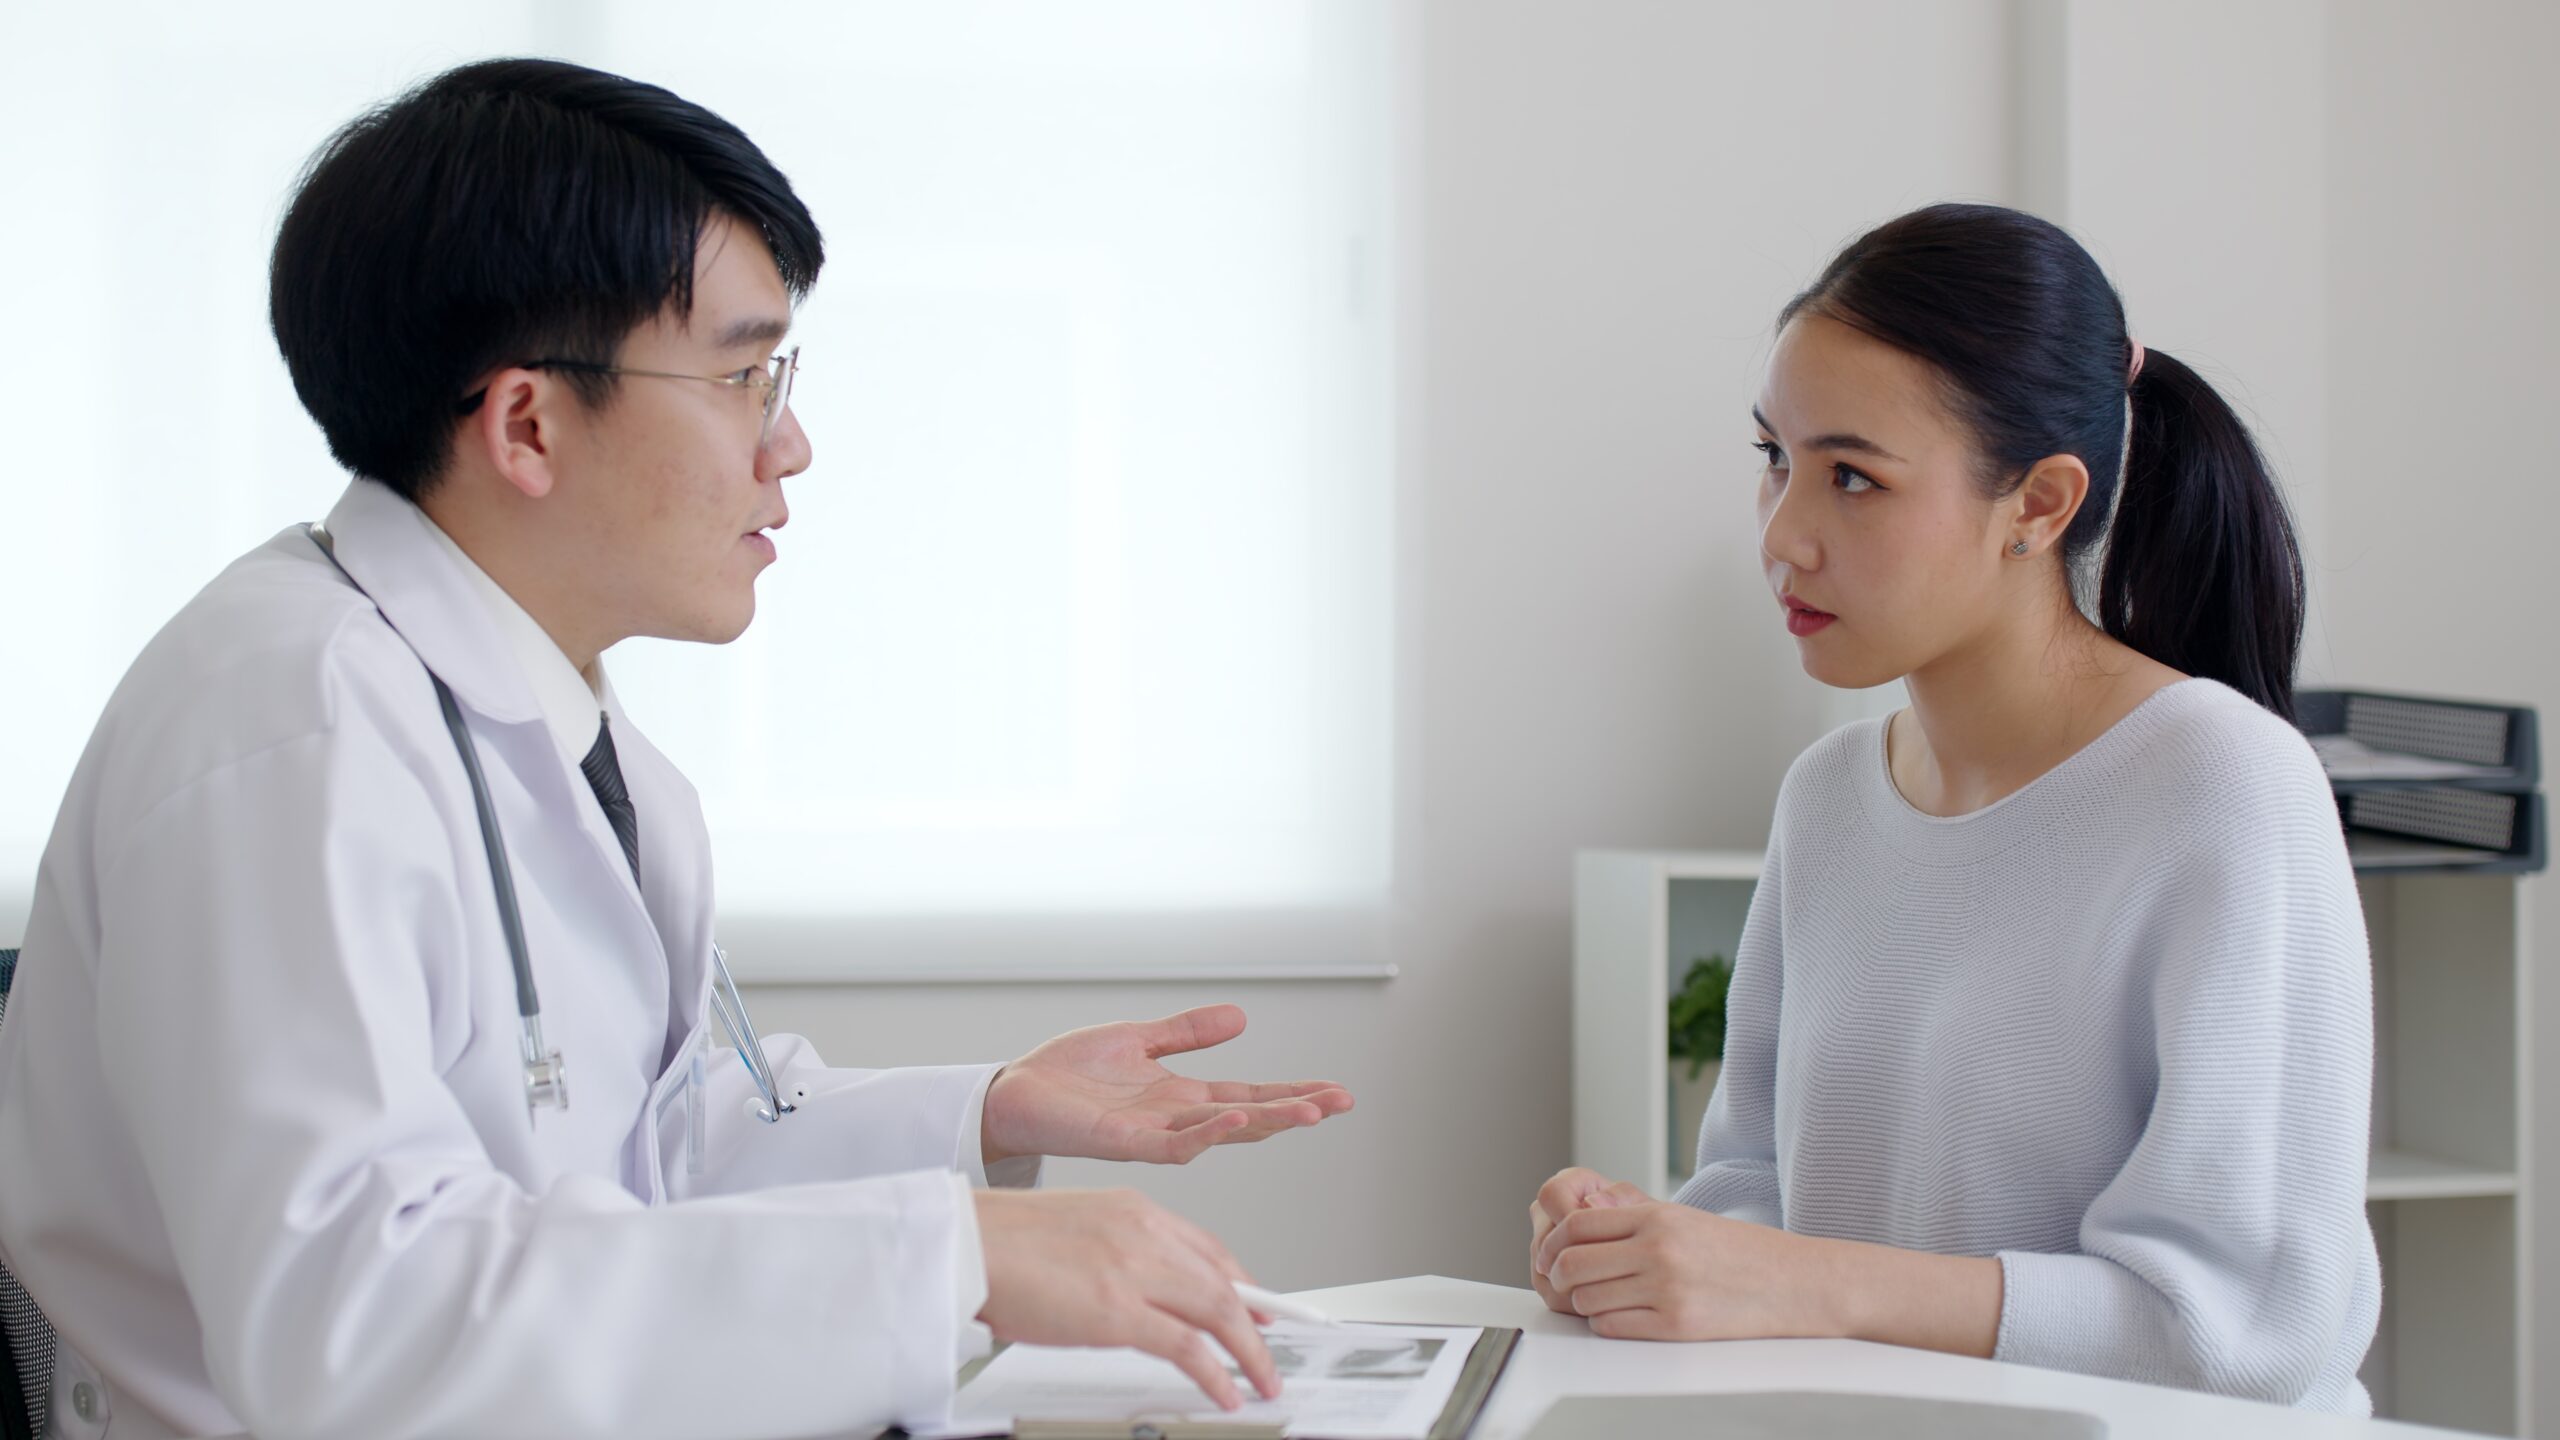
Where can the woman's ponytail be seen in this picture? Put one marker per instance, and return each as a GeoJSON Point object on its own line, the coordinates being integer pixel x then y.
{"type": "Point", "coordinates": [2202, 572]}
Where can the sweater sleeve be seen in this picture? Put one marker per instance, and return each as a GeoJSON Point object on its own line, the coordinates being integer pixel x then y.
{"type": "Point", "coordinates": [1737, 1174]}
{"type": "Point", "coordinates": [2228, 1252]}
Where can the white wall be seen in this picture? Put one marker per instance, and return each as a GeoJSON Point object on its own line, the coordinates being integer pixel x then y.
{"type": "Point", "coordinates": [2443, 195]}
{"type": "Point", "coordinates": [2190, 135]}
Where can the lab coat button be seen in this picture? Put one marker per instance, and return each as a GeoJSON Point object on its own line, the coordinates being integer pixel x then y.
{"type": "Point", "coordinates": [84, 1400]}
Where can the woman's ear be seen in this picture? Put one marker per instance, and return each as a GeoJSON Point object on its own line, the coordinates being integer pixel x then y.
{"type": "Point", "coordinates": [2041, 509]}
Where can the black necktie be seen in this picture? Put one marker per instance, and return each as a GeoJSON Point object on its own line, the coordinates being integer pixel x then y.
{"type": "Point", "coordinates": [604, 773]}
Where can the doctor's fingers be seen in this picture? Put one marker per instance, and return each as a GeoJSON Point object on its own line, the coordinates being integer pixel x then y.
{"type": "Point", "coordinates": [1208, 1302]}
{"type": "Point", "coordinates": [1263, 1121]}
{"type": "Point", "coordinates": [1196, 1029]}
{"type": "Point", "coordinates": [1169, 1339]}
{"type": "Point", "coordinates": [1181, 1147]}
{"type": "Point", "coordinates": [1325, 1095]}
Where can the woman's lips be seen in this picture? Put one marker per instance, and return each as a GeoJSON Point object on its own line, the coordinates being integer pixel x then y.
{"type": "Point", "coordinates": [1803, 619]}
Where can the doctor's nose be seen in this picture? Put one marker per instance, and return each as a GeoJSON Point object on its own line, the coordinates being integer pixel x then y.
{"type": "Point", "coordinates": [788, 452]}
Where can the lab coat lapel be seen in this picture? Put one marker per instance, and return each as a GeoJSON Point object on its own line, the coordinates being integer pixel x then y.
{"type": "Point", "coordinates": [675, 853]}
{"type": "Point", "coordinates": [383, 541]}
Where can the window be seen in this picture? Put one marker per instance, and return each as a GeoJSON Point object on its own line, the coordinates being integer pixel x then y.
{"type": "Point", "coordinates": [1077, 660]}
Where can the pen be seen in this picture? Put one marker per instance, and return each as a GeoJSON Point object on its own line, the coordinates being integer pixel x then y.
{"type": "Point", "coordinates": [1279, 1307]}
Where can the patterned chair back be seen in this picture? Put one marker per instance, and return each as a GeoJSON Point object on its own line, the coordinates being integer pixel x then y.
{"type": "Point", "coordinates": [26, 1340]}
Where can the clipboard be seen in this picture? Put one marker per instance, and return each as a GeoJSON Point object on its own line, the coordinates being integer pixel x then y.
{"type": "Point", "coordinates": [1485, 1364]}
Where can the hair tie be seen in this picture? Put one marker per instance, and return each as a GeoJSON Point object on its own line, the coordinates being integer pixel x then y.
{"type": "Point", "coordinates": [2136, 372]}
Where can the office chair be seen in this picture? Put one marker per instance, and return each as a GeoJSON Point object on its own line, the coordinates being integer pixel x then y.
{"type": "Point", "coordinates": [26, 1340]}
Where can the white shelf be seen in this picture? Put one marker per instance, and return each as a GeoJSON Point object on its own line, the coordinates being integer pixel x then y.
{"type": "Point", "coordinates": [2406, 1175]}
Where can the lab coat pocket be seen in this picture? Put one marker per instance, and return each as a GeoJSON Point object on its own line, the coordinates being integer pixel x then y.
{"type": "Point", "coordinates": [677, 1115]}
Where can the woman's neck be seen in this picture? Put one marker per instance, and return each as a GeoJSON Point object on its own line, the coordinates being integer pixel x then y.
{"type": "Point", "coordinates": [1989, 718]}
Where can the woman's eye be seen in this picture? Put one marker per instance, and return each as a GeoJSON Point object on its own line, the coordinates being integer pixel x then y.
{"type": "Point", "coordinates": [1851, 482]}
{"type": "Point", "coordinates": [1769, 452]}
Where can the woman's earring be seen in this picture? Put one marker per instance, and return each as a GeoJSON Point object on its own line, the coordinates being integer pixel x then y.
{"type": "Point", "coordinates": [2018, 549]}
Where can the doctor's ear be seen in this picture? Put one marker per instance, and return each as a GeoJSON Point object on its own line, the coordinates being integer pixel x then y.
{"type": "Point", "coordinates": [517, 427]}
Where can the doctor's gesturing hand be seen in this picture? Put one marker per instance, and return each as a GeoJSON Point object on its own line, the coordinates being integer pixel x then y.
{"type": "Point", "coordinates": [1101, 1093]}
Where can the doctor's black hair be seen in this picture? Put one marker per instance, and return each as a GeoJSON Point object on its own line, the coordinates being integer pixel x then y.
{"type": "Point", "coordinates": [503, 211]}
{"type": "Point", "coordinates": [2199, 568]}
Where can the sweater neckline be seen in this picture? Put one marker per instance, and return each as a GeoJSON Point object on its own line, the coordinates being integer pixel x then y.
{"type": "Point", "coordinates": [2014, 816]}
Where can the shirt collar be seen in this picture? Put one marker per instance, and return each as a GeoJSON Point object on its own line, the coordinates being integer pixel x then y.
{"type": "Point", "coordinates": [573, 704]}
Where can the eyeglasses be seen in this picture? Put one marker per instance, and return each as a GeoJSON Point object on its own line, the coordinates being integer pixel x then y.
{"type": "Point", "coordinates": [773, 378]}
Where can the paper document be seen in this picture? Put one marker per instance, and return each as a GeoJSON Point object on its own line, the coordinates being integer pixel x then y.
{"type": "Point", "coordinates": [1338, 1382]}
{"type": "Point", "coordinates": [2352, 760]}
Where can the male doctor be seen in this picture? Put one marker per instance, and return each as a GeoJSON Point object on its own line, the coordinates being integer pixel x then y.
{"type": "Point", "coordinates": [266, 1153]}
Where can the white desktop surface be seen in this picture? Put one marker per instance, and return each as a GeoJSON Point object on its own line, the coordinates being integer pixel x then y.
{"type": "Point", "coordinates": [1559, 1356]}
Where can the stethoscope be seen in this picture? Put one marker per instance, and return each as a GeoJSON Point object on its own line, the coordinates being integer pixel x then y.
{"type": "Point", "coordinates": [546, 1078]}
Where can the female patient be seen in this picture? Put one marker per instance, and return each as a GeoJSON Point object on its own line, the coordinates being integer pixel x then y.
{"type": "Point", "coordinates": [2050, 1029]}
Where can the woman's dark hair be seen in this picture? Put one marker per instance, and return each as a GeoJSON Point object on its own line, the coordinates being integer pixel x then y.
{"type": "Point", "coordinates": [2200, 570]}
{"type": "Point", "coordinates": [501, 212]}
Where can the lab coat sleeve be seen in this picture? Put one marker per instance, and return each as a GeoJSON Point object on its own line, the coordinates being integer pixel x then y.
{"type": "Point", "coordinates": [845, 1124]}
{"type": "Point", "coordinates": [269, 995]}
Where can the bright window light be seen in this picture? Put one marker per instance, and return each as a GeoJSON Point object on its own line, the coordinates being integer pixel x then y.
{"type": "Point", "coordinates": [1082, 626]}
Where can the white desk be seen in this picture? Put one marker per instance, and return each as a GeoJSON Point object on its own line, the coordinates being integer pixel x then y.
{"type": "Point", "coordinates": [1559, 1356]}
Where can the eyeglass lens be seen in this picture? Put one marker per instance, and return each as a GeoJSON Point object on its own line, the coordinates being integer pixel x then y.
{"type": "Point", "coordinates": [778, 397]}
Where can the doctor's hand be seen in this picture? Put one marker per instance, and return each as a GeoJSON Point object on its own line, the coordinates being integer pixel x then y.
{"type": "Point", "coordinates": [1110, 1267]}
{"type": "Point", "coordinates": [1100, 1092]}
{"type": "Point", "coordinates": [1568, 1191]}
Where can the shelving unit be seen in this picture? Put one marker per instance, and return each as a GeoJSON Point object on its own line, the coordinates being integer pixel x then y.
{"type": "Point", "coordinates": [1639, 918]}
{"type": "Point", "coordinates": [2447, 1191]}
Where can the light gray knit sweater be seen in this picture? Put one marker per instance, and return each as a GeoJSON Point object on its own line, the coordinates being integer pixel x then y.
{"type": "Point", "coordinates": [2116, 1029]}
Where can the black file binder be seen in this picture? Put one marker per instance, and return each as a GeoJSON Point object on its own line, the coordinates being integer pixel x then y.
{"type": "Point", "coordinates": [2466, 799]}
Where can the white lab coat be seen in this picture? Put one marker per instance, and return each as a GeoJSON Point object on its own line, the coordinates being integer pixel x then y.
{"type": "Point", "coordinates": [267, 1158]}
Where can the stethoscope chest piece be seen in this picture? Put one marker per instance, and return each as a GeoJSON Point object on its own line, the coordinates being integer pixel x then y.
{"type": "Point", "coordinates": [546, 1075]}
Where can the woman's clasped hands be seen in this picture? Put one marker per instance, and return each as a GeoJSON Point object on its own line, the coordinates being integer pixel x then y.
{"type": "Point", "coordinates": [1645, 1269]}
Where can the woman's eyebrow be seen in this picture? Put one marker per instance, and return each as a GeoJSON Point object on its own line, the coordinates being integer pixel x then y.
{"type": "Point", "coordinates": [1855, 444]}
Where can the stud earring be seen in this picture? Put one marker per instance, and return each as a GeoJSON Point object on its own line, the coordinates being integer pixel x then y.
{"type": "Point", "coordinates": [2018, 549]}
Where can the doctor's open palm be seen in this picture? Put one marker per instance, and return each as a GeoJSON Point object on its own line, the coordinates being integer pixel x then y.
{"type": "Point", "coordinates": [1103, 1093]}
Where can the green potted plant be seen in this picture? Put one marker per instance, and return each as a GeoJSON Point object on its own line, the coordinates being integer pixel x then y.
{"type": "Point", "coordinates": [1697, 1038]}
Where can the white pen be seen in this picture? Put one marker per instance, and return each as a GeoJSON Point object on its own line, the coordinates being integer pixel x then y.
{"type": "Point", "coordinates": [1279, 1307]}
